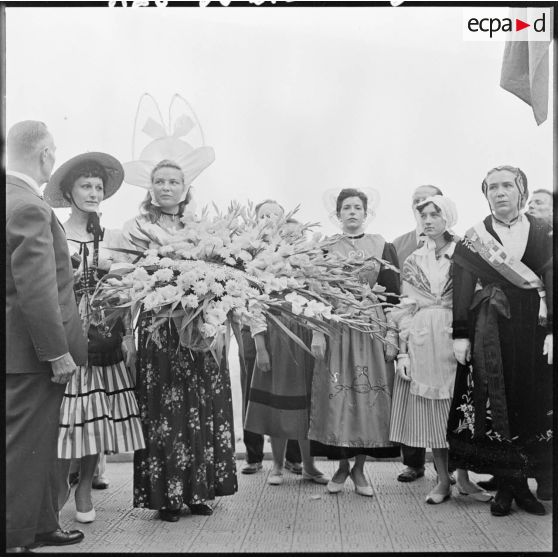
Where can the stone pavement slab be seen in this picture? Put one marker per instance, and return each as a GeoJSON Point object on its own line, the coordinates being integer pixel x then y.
{"type": "Point", "coordinates": [300, 516]}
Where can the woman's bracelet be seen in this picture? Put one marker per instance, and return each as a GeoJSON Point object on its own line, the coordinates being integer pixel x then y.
{"type": "Point", "coordinates": [401, 355]}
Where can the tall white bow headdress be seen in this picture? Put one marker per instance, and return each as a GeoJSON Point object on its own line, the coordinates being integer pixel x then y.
{"type": "Point", "coordinates": [168, 145]}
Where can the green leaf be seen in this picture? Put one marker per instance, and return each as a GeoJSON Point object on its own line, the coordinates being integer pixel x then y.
{"type": "Point", "coordinates": [286, 330]}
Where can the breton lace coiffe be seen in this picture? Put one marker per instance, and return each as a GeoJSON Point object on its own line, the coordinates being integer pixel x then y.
{"type": "Point", "coordinates": [329, 200]}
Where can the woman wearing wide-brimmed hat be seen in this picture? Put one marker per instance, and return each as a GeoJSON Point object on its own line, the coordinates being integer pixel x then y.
{"type": "Point", "coordinates": [99, 412]}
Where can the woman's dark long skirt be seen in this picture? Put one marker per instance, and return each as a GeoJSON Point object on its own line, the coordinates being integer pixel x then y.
{"type": "Point", "coordinates": [528, 386]}
{"type": "Point", "coordinates": [185, 405]}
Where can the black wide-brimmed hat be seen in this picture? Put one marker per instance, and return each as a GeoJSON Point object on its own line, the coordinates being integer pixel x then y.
{"type": "Point", "coordinates": [53, 194]}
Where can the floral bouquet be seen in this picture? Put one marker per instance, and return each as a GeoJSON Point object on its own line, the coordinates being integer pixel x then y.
{"type": "Point", "coordinates": [219, 270]}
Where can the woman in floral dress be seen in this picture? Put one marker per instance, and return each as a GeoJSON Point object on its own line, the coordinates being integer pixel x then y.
{"type": "Point", "coordinates": [184, 395]}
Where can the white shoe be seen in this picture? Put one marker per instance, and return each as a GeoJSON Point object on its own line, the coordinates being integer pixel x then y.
{"type": "Point", "coordinates": [479, 496]}
{"type": "Point", "coordinates": [318, 478]}
{"type": "Point", "coordinates": [437, 498]}
{"type": "Point", "coordinates": [275, 479]}
{"type": "Point", "coordinates": [86, 517]}
{"type": "Point", "coordinates": [335, 487]}
{"type": "Point", "coordinates": [362, 490]}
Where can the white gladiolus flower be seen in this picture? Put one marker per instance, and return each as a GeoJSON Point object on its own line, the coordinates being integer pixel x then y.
{"type": "Point", "coordinates": [150, 260]}
{"type": "Point", "coordinates": [166, 250]}
{"type": "Point", "coordinates": [316, 308]}
{"type": "Point", "coordinates": [152, 300]}
{"type": "Point", "coordinates": [298, 302]}
{"type": "Point", "coordinates": [191, 301]}
{"type": "Point", "coordinates": [216, 288]}
{"type": "Point", "coordinates": [166, 262]}
{"type": "Point", "coordinates": [233, 287]}
{"type": "Point", "coordinates": [209, 330]}
{"type": "Point", "coordinates": [200, 288]}
{"type": "Point", "coordinates": [230, 301]}
{"type": "Point", "coordinates": [215, 314]}
{"type": "Point", "coordinates": [164, 275]}
{"type": "Point", "coordinates": [220, 274]}
{"type": "Point", "coordinates": [140, 274]}
{"type": "Point", "coordinates": [169, 293]}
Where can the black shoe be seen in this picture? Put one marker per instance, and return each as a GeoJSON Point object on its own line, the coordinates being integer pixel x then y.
{"type": "Point", "coordinates": [19, 550]}
{"type": "Point", "coordinates": [200, 509]}
{"type": "Point", "coordinates": [172, 516]}
{"type": "Point", "coordinates": [410, 474]}
{"type": "Point", "coordinates": [502, 502]}
{"type": "Point", "coordinates": [251, 468]}
{"type": "Point", "coordinates": [99, 485]}
{"type": "Point", "coordinates": [544, 489]}
{"type": "Point", "coordinates": [526, 501]}
{"type": "Point", "coordinates": [490, 485]}
{"type": "Point", "coordinates": [58, 538]}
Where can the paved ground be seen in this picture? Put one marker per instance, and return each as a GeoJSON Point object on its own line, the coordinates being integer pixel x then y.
{"type": "Point", "coordinates": [300, 516]}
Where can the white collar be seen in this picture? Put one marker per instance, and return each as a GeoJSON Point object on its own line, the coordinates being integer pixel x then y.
{"type": "Point", "coordinates": [430, 246]}
{"type": "Point", "coordinates": [28, 180]}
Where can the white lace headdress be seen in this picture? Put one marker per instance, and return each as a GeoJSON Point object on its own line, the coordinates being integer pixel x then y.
{"type": "Point", "coordinates": [329, 198]}
{"type": "Point", "coordinates": [167, 144]}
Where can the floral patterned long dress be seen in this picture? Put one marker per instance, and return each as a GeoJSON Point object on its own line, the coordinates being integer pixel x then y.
{"type": "Point", "coordinates": [185, 404]}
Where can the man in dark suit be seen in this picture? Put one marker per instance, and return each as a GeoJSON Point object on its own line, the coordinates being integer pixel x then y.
{"type": "Point", "coordinates": [44, 342]}
{"type": "Point", "coordinates": [405, 245]}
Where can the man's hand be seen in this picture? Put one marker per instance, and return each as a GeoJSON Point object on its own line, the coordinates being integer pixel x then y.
{"type": "Point", "coordinates": [462, 350]}
{"type": "Point", "coordinates": [548, 347]}
{"type": "Point", "coordinates": [62, 369]}
{"type": "Point", "coordinates": [318, 346]}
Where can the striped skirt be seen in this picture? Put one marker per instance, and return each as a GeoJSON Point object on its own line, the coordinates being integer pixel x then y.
{"type": "Point", "coordinates": [99, 413]}
{"type": "Point", "coordinates": [417, 421]}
